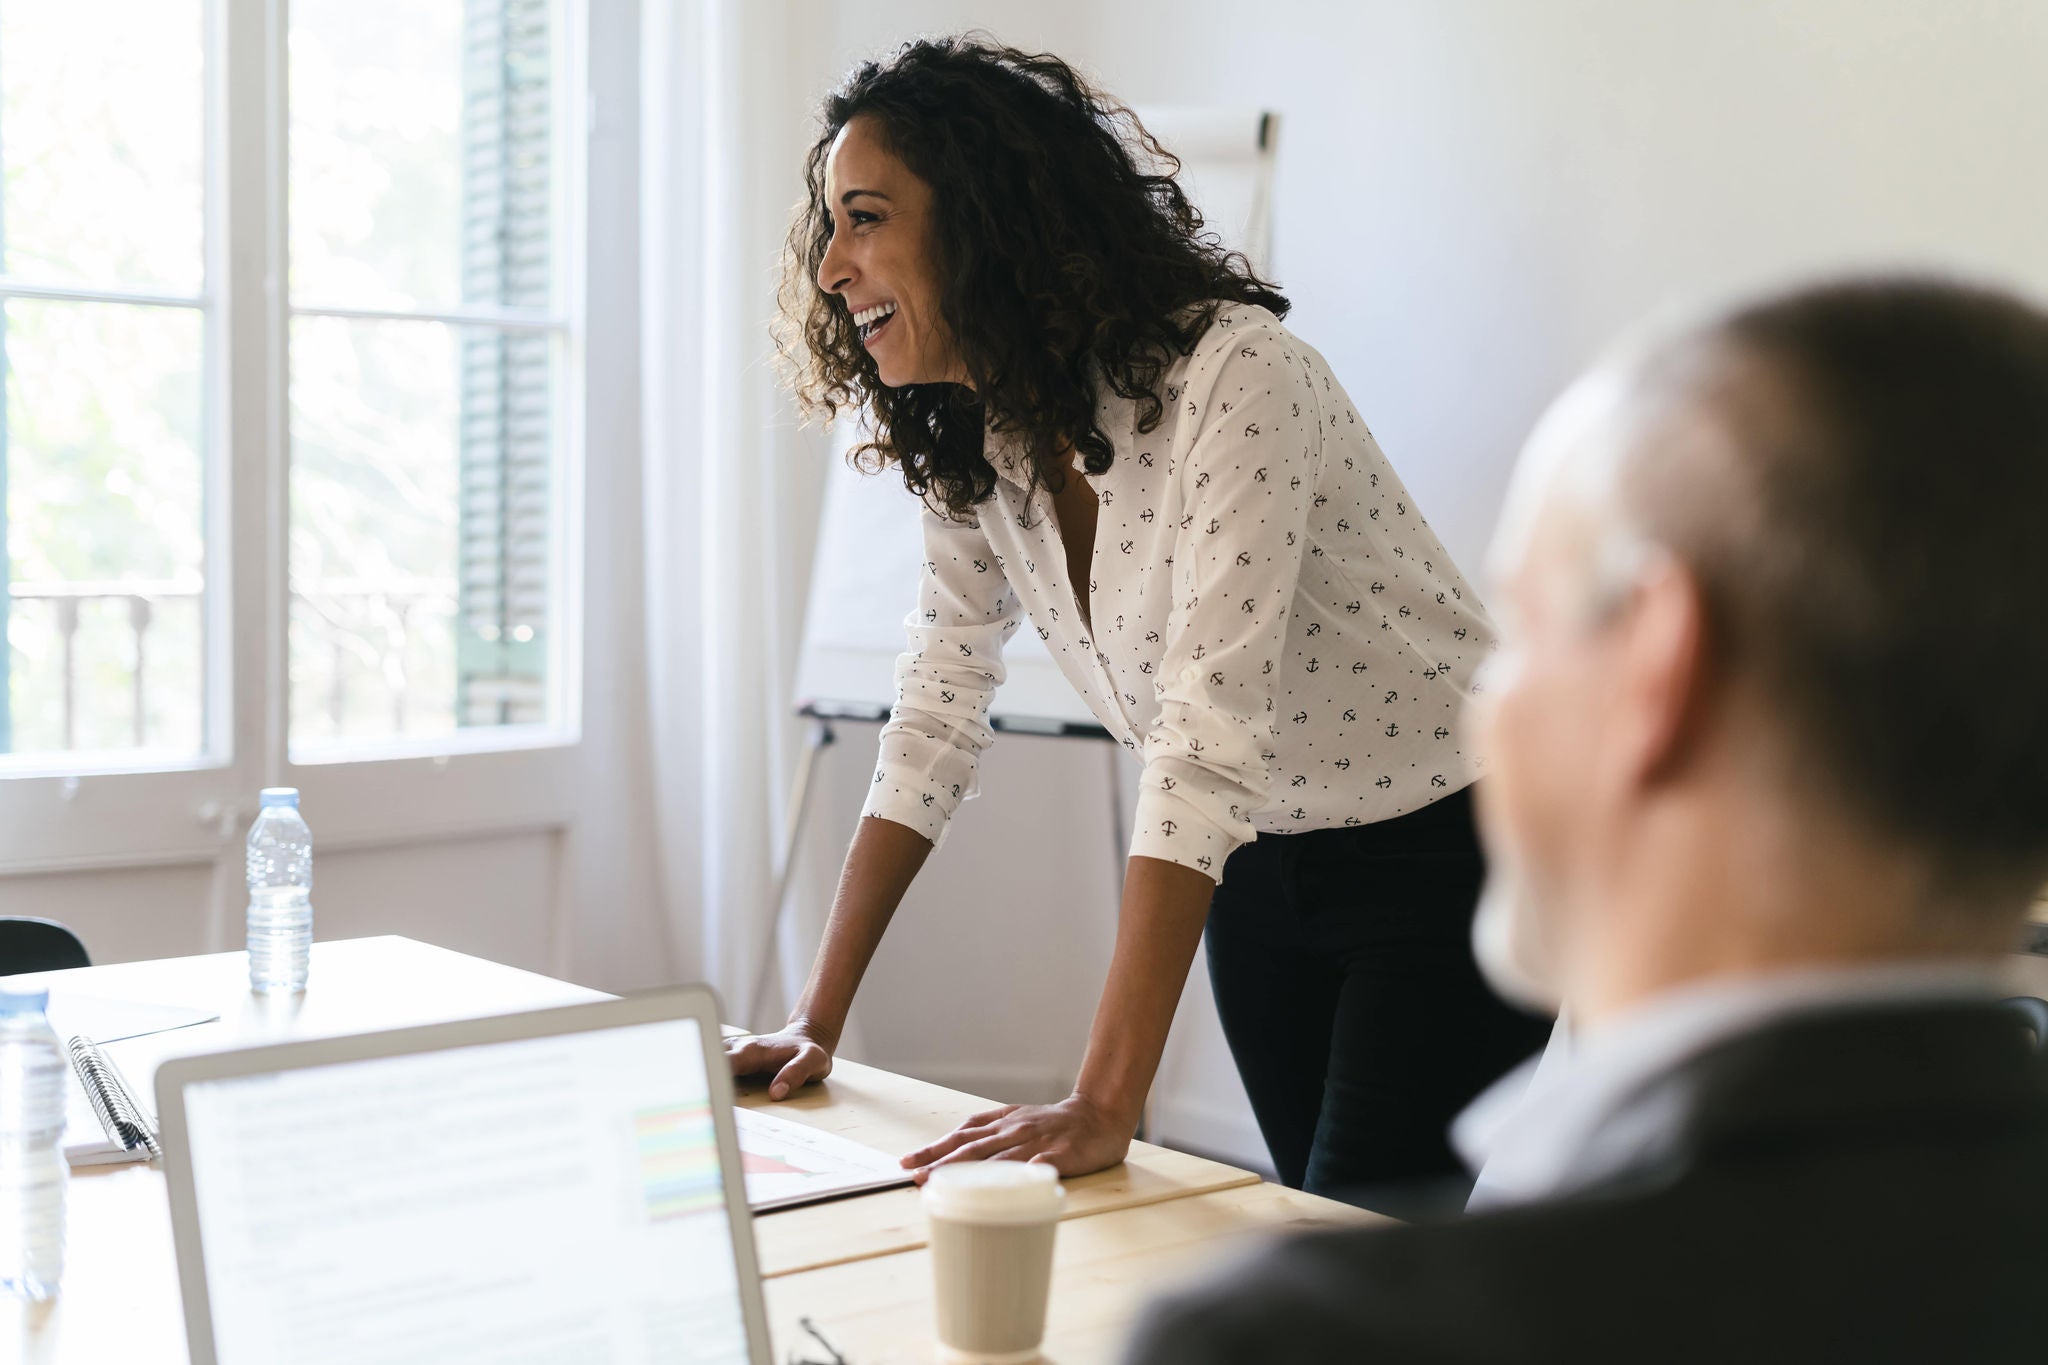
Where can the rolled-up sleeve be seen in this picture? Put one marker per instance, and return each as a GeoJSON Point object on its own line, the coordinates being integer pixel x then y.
{"type": "Point", "coordinates": [1247, 482]}
{"type": "Point", "coordinates": [932, 744]}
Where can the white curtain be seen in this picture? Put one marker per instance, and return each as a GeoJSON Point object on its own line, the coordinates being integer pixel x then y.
{"type": "Point", "coordinates": [732, 486]}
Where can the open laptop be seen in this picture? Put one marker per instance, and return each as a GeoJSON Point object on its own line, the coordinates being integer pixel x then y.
{"type": "Point", "coordinates": [558, 1185]}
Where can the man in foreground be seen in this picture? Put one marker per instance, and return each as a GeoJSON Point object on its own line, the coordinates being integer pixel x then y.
{"type": "Point", "coordinates": [1768, 795]}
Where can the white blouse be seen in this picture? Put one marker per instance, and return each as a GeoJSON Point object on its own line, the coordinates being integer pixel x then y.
{"type": "Point", "coordinates": [1275, 629]}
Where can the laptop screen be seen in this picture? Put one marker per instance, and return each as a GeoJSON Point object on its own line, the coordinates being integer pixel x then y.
{"type": "Point", "coordinates": [553, 1198]}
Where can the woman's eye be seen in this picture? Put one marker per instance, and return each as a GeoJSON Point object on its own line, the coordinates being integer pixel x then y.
{"type": "Point", "coordinates": [859, 217]}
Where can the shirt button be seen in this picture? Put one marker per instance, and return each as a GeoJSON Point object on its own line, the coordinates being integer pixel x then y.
{"type": "Point", "coordinates": [1191, 675]}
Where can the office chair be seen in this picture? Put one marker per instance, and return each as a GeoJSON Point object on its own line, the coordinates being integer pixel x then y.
{"type": "Point", "coordinates": [2034, 1012]}
{"type": "Point", "coordinates": [38, 945]}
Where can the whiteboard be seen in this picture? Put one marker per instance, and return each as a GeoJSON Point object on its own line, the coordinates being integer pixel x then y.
{"type": "Point", "coordinates": [864, 577]}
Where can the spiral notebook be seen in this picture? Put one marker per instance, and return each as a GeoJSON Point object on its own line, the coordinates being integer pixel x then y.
{"type": "Point", "coordinates": [105, 1122]}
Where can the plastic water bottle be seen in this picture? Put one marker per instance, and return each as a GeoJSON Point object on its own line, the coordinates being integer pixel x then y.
{"type": "Point", "coordinates": [32, 1169]}
{"type": "Point", "coordinates": [280, 894]}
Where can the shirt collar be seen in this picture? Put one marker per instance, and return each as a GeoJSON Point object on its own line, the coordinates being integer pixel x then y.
{"type": "Point", "coordinates": [1007, 455]}
{"type": "Point", "coordinates": [1562, 1120]}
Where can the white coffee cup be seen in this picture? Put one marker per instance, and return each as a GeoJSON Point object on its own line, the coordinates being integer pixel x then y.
{"type": "Point", "coordinates": [992, 1226]}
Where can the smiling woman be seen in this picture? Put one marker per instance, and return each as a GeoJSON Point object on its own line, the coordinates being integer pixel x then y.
{"type": "Point", "coordinates": [1116, 438]}
{"type": "Point", "coordinates": [1083, 245]}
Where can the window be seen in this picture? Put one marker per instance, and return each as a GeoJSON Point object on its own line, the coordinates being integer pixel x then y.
{"type": "Point", "coordinates": [426, 351]}
{"type": "Point", "coordinates": [321, 535]}
{"type": "Point", "coordinates": [104, 328]}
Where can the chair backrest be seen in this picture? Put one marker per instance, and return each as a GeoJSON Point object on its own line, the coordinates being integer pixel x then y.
{"type": "Point", "coordinates": [2035, 1012]}
{"type": "Point", "coordinates": [38, 945]}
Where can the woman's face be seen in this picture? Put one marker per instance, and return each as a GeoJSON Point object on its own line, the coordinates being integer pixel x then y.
{"type": "Point", "coordinates": [879, 261]}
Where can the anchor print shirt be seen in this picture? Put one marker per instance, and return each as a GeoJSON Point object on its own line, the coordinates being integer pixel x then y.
{"type": "Point", "coordinates": [1272, 626]}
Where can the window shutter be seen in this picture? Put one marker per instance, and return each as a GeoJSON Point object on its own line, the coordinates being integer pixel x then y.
{"type": "Point", "coordinates": [505, 519]}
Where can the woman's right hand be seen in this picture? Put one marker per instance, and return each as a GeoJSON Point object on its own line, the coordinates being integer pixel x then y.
{"type": "Point", "coordinates": [795, 1054]}
{"type": "Point", "coordinates": [879, 867]}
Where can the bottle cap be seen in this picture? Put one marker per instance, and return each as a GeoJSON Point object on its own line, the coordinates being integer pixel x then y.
{"type": "Point", "coordinates": [23, 1000]}
{"type": "Point", "coordinates": [280, 796]}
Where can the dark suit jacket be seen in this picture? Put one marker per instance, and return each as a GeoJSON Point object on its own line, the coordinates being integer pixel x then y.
{"type": "Point", "coordinates": [1855, 1186]}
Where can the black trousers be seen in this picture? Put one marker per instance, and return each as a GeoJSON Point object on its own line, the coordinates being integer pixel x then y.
{"type": "Point", "coordinates": [1343, 971]}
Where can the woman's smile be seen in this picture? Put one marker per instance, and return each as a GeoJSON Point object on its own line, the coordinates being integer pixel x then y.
{"type": "Point", "coordinates": [871, 320]}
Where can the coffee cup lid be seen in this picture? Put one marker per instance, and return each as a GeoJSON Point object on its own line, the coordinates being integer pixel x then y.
{"type": "Point", "coordinates": [994, 1191]}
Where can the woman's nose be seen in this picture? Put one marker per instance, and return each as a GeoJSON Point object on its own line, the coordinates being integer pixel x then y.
{"type": "Point", "coordinates": [834, 271]}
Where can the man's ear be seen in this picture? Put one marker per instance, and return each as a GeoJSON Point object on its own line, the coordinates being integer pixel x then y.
{"type": "Point", "coordinates": [1665, 686]}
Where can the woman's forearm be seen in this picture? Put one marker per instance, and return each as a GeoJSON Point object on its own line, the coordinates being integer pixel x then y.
{"type": "Point", "coordinates": [880, 865]}
{"type": "Point", "coordinates": [1164, 908]}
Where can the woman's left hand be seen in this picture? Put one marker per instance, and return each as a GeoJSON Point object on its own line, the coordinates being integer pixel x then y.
{"type": "Point", "coordinates": [1074, 1137]}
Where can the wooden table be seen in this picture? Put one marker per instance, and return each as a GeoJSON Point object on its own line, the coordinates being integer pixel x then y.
{"type": "Point", "coordinates": [857, 1266]}
{"type": "Point", "coordinates": [897, 1114]}
{"type": "Point", "coordinates": [878, 1311]}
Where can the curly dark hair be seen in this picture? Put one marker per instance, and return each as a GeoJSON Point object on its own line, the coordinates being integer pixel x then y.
{"type": "Point", "coordinates": [1069, 257]}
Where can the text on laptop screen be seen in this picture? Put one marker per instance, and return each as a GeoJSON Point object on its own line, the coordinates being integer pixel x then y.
{"type": "Point", "coordinates": [555, 1198]}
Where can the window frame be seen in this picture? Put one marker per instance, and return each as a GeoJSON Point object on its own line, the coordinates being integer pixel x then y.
{"type": "Point", "coordinates": [64, 811]}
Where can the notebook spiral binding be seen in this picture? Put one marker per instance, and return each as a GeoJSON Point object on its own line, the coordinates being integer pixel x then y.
{"type": "Point", "coordinates": [118, 1113]}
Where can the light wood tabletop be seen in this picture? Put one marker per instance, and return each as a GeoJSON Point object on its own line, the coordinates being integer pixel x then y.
{"type": "Point", "coordinates": [897, 1114]}
{"type": "Point", "coordinates": [878, 1311]}
{"type": "Point", "coordinates": [1152, 1215]}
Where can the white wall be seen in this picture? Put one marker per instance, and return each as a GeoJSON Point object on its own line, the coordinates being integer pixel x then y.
{"type": "Point", "coordinates": [1477, 194]}
{"type": "Point", "coordinates": [1474, 196]}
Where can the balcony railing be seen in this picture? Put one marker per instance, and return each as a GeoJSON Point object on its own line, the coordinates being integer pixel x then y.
{"type": "Point", "coordinates": [359, 627]}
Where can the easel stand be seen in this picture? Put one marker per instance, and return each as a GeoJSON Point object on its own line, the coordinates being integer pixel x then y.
{"type": "Point", "coordinates": [820, 736]}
